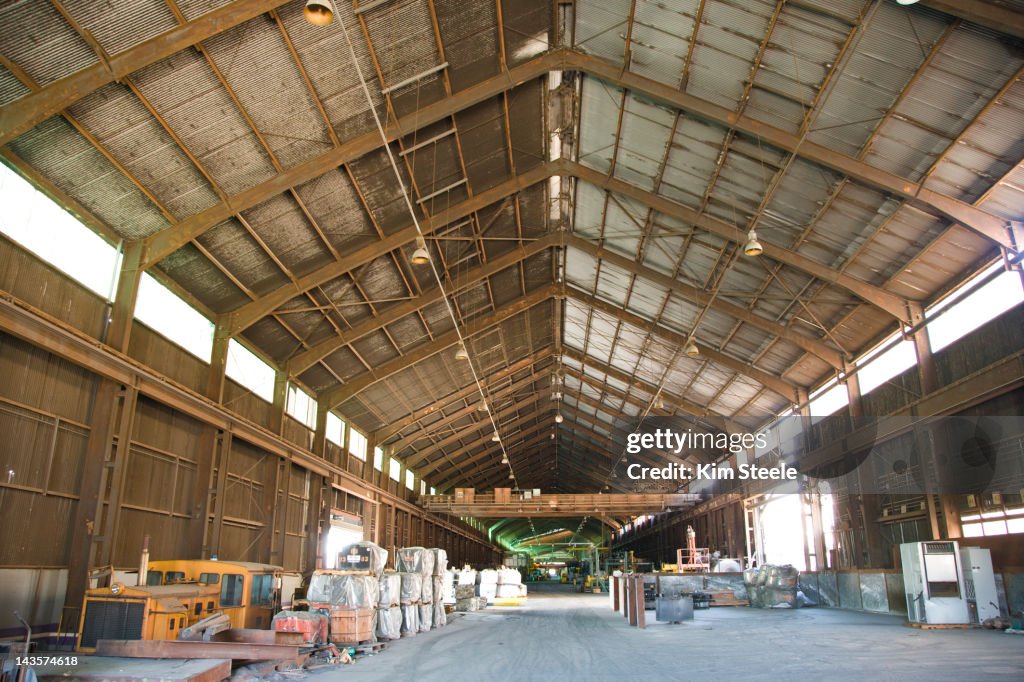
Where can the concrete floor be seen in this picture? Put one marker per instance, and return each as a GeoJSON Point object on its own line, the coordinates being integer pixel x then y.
{"type": "Point", "coordinates": [559, 635]}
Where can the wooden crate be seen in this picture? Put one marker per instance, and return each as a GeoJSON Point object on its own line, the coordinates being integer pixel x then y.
{"type": "Point", "coordinates": [351, 626]}
{"type": "Point", "coordinates": [503, 495]}
{"type": "Point", "coordinates": [465, 495]}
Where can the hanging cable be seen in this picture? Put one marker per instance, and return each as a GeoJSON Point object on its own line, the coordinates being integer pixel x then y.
{"type": "Point", "coordinates": [422, 235]}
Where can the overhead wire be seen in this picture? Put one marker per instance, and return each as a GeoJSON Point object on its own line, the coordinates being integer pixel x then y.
{"type": "Point", "coordinates": [419, 229]}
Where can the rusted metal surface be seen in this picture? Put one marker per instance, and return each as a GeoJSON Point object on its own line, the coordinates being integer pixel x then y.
{"type": "Point", "coordinates": [168, 648]}
{"type": "Point", "coordinates": [111, 669]}
{"type": "Point", "coordinates": [22, 114]}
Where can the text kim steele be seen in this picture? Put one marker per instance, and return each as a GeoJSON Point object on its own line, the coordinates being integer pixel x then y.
{"type": "Point", "coordinates": [744, 472]}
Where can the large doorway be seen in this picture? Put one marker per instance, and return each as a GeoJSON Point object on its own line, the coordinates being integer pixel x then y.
{"type": "Point", "coordinates": [345, 529]}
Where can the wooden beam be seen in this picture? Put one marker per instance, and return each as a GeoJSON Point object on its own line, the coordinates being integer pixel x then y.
{"type": "Point", "coordinates": [238, 320]}
{"type": "Point", "coordinates": [339, 395]}
{"type": "Point", "coordinates": [988, 14]}
{"type": "Point", "coordinates": [882, 299]}
{"type": "Point", "coordinates": [992, 227]}
{"type": "Point", "coordinates": [484, 423]}
{"type": "Point", "coordinates": [22, 114]}
{"type": "Point", "coordinates": [766, 379]}
{"type": "Point", "coordinates": [702, 298]}
{"type": "Point", "coordinates": [382, 434]}
{"type": "Point", "coordinates": [399, 445]}
{"type": "Point", "coordinates": [166, 242]}
{"type": "Point", "coordinates": [311, 356]}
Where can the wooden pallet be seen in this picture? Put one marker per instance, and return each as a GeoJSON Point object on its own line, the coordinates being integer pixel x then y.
{"type": "Point", "coordinates": [372, 648]}
{"type": "Point", "coordinates": [727, 598]}
{"type": "Point", "coordinates": [938, 626]}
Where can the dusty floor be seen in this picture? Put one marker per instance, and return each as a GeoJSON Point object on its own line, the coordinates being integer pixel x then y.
{"type": "Point", "coordinates": [563, 636]}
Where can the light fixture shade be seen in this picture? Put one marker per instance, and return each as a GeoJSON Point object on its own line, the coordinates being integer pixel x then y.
{"type": "Point", "coordinates": [552, 436]}
{"type": "Point", "coordinates": [495, 438]}
{"type": "Point", "coordinates": [481, 406]}
{"type": "Point", "coordinates": [691, 349]}
{"type": "Point", "coordinates": [420, 256]}
{"type": "Point", "coordinates": [906, 2]}
{"type": "Point", "coordinates": [512, 476]}
{"type": "Point", "coordinates": [461, 353]}
{"type": "Point", "coordinates": [753, 247]}
{"type": "Point", "coordinates": [504, 460]}
{"type": "Point", "coordinates": [319, 12]}
{"type": "Point", "coordinates": [559, 418]}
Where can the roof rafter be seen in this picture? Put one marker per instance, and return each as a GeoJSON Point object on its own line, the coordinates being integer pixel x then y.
{"type": "Point", "coordinates": [700, 297]}
{"type": "Point", "coordinates": [382, 434]}
{"type": "Point", "coordinates": [337, 396]}
{"type": "Point", "coordinates": [22, 114]}
{"type": "Point", "coordinates": [308, 358]}
{"type": "Point", "coordinates": [992, 227]}
{"type": "Point", "coordinates": [784, 388]}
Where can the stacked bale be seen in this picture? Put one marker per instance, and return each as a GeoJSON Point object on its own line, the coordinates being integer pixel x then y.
{"type": "Point", "coordinates": [351, 559]}
{"type": "Point", "coordinates": [427, 603]}
{"type": "Point", "coordinates": [438, 618]}
{"type": "Point", "coordinates": [351, 599]}
{"type": "Point", "coordinates": [510, 584]}
{"type": "Point", "coordinates": [389, 611]}
{"type": "Point", "coordinates": [411, 593]}
{"type": "Point", "coordinates": [415, 560]}
{"type": "Point", "coordinates": [772, 586]}
{"type": "Point", "coordinates": [465, 598]}
{"type": "Point", "coordinates": [488, 584]}
{"type": "Point", "coordinates": [448, 587]}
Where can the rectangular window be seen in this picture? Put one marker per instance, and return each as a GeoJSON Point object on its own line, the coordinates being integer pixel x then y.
{"type": "Point", "coordinates": [261, 590]}
{"type": "Point", "coordinates": [885, 364]}
{"type": "Point", "coordinates": [174, 577]}
{"type": "Point", "coordinates": [31, 219]}
{"type": "Point", "coordinates": [335, 429]}
{"type": "Point", "coordinates": [231, 590]}
{"type": "Point", "coordinates": [209, 578]}
{"type": "Point", "coordinates": [423, 487]}
{"type": "Point", "coordinates": [155, 578]}
{"type": "Point", "coordinates": [968, 311]}
{"type": "Point", "coordinates": [357, 444]}
{"type": "Point", "coordinates": [433, 490]}
{"type": "Point", "coordinates": [395, 470]}
{"type": "Point", "coordinates": [829, 401]}
{"type": "Point", "coordinates": [378, 459]}
{"type": "Point", "coordinates": [160, 309]}
{"type": "Point", "coordinates": [301, 406]}
{"type": "Point", "coordinates": [409, 479]}
{"type": "Point", "coordinates": [250, 371]}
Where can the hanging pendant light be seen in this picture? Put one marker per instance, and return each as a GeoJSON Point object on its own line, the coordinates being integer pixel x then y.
{"type": "Point", "coordinates": [691, 348]}
{"type": "Point", "coordinates": [421, 256]}
{"type": "Point", "coordinates": [753, 247]}
{"type": "Point", "coordinates": [319, 12]}
{"type": "Point", "coordinates": [461, 353]}
{"type": "Point", "coordinates": [559, 418]}
{"type": "Point", "coordinates": [504, 459]}
{"type": "Point", "coordinates": [495, 438]}
{"type": "Point", "coordinates": [481, 406]}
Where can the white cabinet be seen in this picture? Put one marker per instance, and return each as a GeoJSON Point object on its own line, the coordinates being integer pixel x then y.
{"type": "Point", "coordinates": [934, 582]}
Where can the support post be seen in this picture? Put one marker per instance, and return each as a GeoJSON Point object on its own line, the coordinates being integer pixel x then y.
{"type": "Point", "coordinates": [103, 421]}
{"type": "Point", "coordinates": [279, 403]}
{"type": "Point", "coordinates": [928, 372]}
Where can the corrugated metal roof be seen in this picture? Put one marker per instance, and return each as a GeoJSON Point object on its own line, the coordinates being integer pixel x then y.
{"type": "Point", "coordinates": [957, 119]}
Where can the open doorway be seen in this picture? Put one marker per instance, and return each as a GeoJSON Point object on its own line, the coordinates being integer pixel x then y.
{"type": "Point", "coordinates": [786, 529]}
{"type": "Point", "coordinates": [343, 532]}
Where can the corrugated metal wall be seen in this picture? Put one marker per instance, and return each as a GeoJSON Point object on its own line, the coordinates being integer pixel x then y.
{"type": "Point", "coordinates": [45, 411]}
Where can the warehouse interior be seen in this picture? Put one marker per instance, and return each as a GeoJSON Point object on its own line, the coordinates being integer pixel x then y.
{"type": "Point", "coordinates": [281, 276]}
